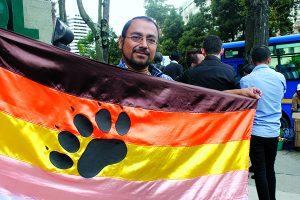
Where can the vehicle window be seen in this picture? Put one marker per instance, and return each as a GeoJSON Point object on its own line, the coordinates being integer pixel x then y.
{"type": "Point", "coordinates": [286, 59]}
{"type": "Point", "coordinates": [234, 53]}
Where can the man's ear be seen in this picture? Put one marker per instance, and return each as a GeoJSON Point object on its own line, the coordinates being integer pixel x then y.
{"type": "Point", "coordinates": [203, 52]}
{"type": "Point", "coordinates": [120, 42]}
{"type": "Point", "coordinates": [269, 61]}
{"type": "Point", "coordinates": [222, 51]}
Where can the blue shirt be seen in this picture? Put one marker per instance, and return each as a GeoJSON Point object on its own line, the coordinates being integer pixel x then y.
{"type": "Point", "coordinates": [154, 71]}
{"type": "Point", "coordinates": [268, 113]}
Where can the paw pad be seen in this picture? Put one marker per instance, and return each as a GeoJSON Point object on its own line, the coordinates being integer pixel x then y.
{"type": "Point", "coordinates": [99, 153]}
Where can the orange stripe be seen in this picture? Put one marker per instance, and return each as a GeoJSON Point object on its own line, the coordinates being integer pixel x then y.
{"type": "Point", "coordinates": [38, 104]}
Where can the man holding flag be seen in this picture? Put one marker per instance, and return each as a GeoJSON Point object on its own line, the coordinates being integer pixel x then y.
{"type": "Point", "coordinates": [73, 128]}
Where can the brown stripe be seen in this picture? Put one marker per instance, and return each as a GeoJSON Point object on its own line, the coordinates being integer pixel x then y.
{"type": "Point", "coordinates": [86, 78]}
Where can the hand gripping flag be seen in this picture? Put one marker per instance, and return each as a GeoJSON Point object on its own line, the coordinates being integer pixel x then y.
{"type": "Point", "coordinates": [73, 128]}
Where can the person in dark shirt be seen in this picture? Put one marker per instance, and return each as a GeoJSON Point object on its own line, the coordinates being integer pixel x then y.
{"type": "Point", "coordinates": [212, 73]}
{"type": "Point", "coordinates": [157, 61]}
{"type": "Point", "coordinates": [174, 69]}
{"type": "Point", "coordinates": [296, 100]}
{"type": "Point", "coordinates": [245, 69]}
{"type": "Point", "coordinates": [194, 58]}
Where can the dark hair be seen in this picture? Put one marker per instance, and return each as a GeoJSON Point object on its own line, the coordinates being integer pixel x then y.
{"type": "Point", "coordinates": [191, 57]}
{"type": "Point", "coordinates": [212, 44]}
{"type": "Point", "coordinates": [260, 54]}
{"type": "Point", "coordinates": [158, 57]}
{"type": "Point", "coordinates": [127, 25]}
{"type": "Point", "coordinates": [245, 69]}
{"type": "Point", "coordinates": [175, 55]}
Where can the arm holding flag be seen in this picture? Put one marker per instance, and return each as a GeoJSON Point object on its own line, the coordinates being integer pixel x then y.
{"type": "Point", "coordinates": [247, 92]}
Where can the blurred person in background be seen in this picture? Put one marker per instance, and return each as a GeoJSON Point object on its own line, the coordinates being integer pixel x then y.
{"type": "Point", "coordinates": [157, 61]}
{"type": "Point", "coordinates": [194, 58]}
{"type": "Point", "coordinates": [296, 100]}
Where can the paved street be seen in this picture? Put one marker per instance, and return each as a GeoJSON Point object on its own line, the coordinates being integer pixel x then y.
{"type": "Point", "coordinates": [287, 168]}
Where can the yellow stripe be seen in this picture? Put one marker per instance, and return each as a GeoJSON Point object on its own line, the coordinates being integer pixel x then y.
{"type": "Point", "coordinates": [32, 144]}
{"type": "Point", "coordinates": [286, 101]}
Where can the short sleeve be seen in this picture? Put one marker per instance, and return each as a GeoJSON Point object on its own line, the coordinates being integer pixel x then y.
{"type": "Point", "coordinates": [243, 83]}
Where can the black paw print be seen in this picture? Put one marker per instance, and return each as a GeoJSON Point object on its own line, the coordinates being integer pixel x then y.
{"type": "Point", "coordinates": [99, 152]}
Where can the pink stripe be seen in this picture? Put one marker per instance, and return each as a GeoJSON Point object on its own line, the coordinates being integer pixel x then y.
{"type": "Point", "coordinates": [24, 180]}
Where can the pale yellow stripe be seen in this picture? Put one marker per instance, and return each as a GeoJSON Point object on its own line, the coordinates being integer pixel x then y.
{"type": "Point", "coordinates": [286, 101]}
{"type": "Point", "coordinates": [32, 144]}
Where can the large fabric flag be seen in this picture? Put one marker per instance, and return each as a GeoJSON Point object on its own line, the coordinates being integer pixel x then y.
{"type": "Point", "coordinates": [73, 128]}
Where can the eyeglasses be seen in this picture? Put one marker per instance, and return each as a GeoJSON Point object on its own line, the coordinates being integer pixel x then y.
{"type": "Point", "coordinates": [139, 39]}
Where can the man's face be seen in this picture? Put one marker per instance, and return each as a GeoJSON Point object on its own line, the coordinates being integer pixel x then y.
{"type": "Point", "coordinates": [298, 93]}
{"type": "Point", "coordinates": [139, 46]}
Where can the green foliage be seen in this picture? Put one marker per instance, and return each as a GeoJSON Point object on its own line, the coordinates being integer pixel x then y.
{"type": "Point", "coordinates": [158, 10]}
{"type": "Point", "coordinates": [166, 46]}
{"type": "Point", "coordinates": [173, 26]}
{"type": "Point", "coordinates": [86, 47]}
{"type": "Point", "coordinates": [200, 3]}
{"type": "Point", "coordinates": [114, 51]}
{"type": "Point", "coordinates": [280, 17]}
{"type": "Point", "coordinates": [170, 23]}
{"type": "Point", "coordinates": [229, 18]}
{"type": "Point", "coordinates": [225, 18]}
{"type": "Point", "coordinates": [197, 28]}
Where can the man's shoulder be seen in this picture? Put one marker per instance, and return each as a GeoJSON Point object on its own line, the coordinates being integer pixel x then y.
{"type": "Point", "coordinates": [216, 66]}
{"type": "Point", "coordinates": [173, 64]}
{"type": "Point", "coordinates": [214, 62]}
{"type": "Point", "coordinates": [280, 75]}
{"type": "Point", "coordinates": [227, 65]}
{"type": "Point", "coordinates": [246, 78]}
{"type": "Point", "coordinates": [158, 73]}
{"type": "Point", "coordinates": [159, 66]}
{"type": "Point", "coordinates": [169, 65]}
{"type": "Point", "coordinates": [277, 74]}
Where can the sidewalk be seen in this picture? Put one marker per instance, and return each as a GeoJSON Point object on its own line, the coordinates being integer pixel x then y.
{"type": "Point", "coordinates": [287, 168]}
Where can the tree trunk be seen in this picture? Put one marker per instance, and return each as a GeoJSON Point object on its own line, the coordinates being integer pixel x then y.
{"type": "Point", "coordinates": [257, 25]}
{"type": "Point", "coordinates": [62, 11]}
{"type": "Point", "coordinates": [105, 29]}
{"type": "Point", "coordinates": [95, 28]}
{"type": "Point", "coordinates": [53, 11]}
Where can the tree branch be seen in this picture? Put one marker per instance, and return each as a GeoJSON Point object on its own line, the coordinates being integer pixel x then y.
{"type": "Point", "coordinates": [62, 11]}
{"type": "Point", "coordinates": [86, 17]}
{"type": "Point", "coordinates": [99, 11]}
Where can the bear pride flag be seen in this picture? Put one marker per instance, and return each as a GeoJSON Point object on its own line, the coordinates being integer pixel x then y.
{"type": "Point", "coordinates": [73, 128]}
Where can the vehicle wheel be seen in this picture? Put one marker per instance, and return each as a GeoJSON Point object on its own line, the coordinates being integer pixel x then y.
{"type": "Point", "coordinates": [284, 122]}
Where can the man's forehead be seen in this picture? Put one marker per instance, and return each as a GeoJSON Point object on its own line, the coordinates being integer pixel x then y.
{"type": "Point", "coordinates": [143, 27]}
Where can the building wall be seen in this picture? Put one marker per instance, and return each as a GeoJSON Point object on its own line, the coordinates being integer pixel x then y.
{"type": "Point", "coordinates": [79, 28]}
{"type": "Point", "coordinates": [187, 9]}
{"type": "Point", "coordinates": [37, 15]}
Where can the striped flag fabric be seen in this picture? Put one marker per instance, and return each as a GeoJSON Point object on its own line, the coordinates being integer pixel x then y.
{"type": "Point", "coordinates": [74, 128]}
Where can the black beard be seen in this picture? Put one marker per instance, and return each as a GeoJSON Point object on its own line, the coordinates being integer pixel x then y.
{"type": "Point", "coordinates": [136, 65]}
